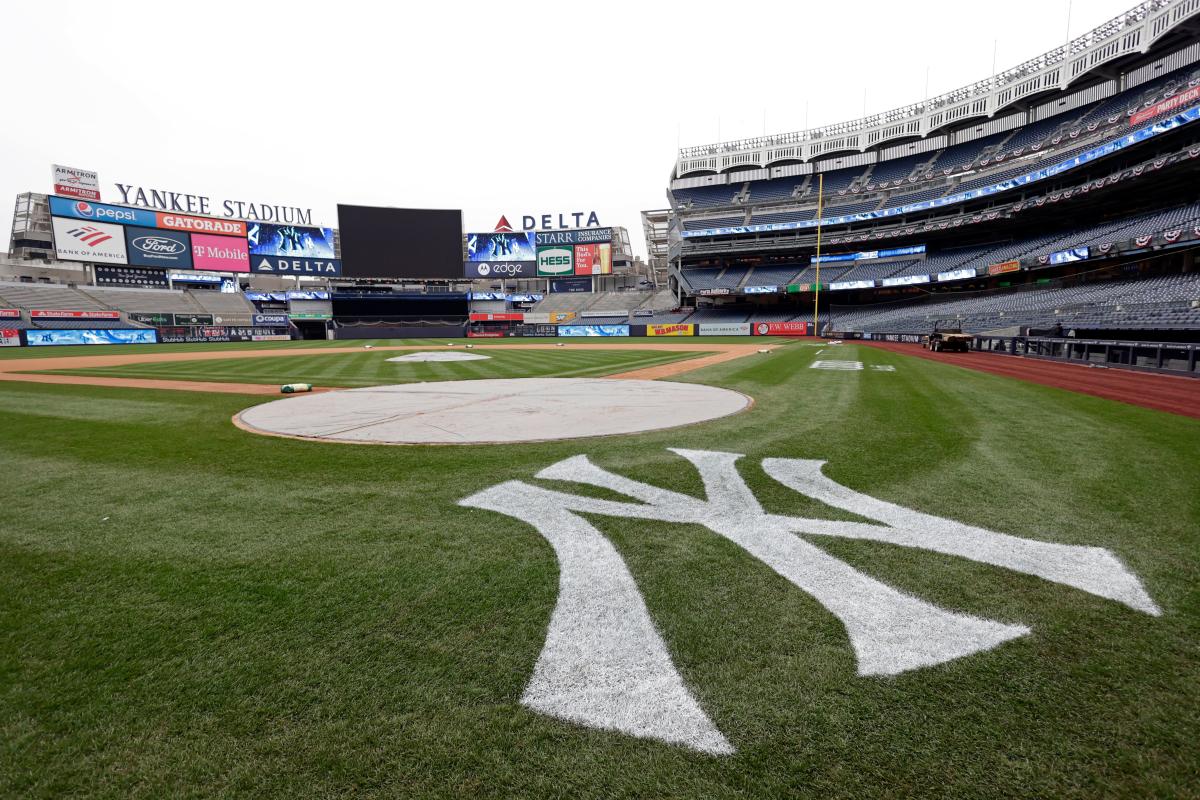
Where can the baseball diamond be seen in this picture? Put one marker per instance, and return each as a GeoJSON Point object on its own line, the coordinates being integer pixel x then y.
{"type": "Point", "coordinates": [357, 441]}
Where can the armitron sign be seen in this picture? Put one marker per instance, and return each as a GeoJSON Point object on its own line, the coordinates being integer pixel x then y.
{"type": "Point", "coordinates": [71, 182]}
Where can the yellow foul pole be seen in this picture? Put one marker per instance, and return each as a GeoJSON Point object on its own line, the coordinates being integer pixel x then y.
{"type": "Point", "coordinates": [820, 213]}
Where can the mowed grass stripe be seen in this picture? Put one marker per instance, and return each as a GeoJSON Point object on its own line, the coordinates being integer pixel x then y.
{"type": "Point", "coordinates": [372, 369]}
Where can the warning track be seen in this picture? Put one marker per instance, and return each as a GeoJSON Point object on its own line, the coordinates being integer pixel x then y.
{"type": "Point", "coordinates": [1171, 393]}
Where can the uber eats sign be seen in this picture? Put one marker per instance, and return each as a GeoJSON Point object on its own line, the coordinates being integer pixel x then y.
{"type": "Point", "coordinates": [555, 261]}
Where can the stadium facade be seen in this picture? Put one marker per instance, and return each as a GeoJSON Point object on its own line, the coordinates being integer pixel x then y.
{"type": "Point", "coordinates": [1069, 170]}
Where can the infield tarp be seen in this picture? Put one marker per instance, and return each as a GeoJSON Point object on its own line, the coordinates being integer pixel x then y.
{"type": "Point", "coordinates": [593, 330]}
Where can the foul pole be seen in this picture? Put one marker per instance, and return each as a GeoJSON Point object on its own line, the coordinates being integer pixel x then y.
{"type": "Point", "coordinates": [820, 213]}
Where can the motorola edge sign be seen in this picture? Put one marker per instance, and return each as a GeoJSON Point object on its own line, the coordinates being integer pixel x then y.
{"type": "Point", "coordinates": [499, 269]}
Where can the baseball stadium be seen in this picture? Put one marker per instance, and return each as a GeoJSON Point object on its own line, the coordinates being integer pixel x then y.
{"type": "Point", "coordinates": [878, 476]}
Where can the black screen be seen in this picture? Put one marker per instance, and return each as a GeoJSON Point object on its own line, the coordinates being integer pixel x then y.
{"type": "Point", "coordinates": [400, 242]}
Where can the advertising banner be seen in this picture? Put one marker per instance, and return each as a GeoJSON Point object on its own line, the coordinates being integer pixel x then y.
{"type": "Point", "coordinates": [10, 313]}
{"type": "Point", "coordinates": [562, 316]}
{"type": "Point", "coordinates": [1178, 101]}
{"type": "Point", "coordinates": [593, 330]}
{"type": "Point", "coordinates": [566, 285]}
{"type": "Point", "coordinates": [499, 269]}
{"type": "Point", "coordinates": [760, 289]}
{"type": "Point", "coordinates": [131, 276]}
{"type": "Point", "coordinates": [295, 241]}
{"type": "Point", "coordinates": [220, 227]}
{"type": "Point", "coordinates": [42, 338]}
{"type": "Point", "coordinates": [187, 334]}
{"type": "Point", "coordinates": [555, 260]}
{"type": "Point", "coordinates": [585, 255]}
{"type": "Point", "coordinates": [191, 319]}
{"type": "Point", "coordinates": [501, 246]}
{"type": "Point", "coordinates": [905, 280]}
{"type": "Point", "coordinates": [56, 313]}
{"type": "Point", "coordinates": [10, 337]}
{"type": "Point", "coordinates": [1067, 256]}
{"type": "Point", "coordinates": [278, 265]}
{"type": "Point", "coordinates": [593, 259]}
{"type": "Point", "coordinates": [183, 277]}
{"type": "Point", "coordinates": [724, 328]}
{"type": "Point", "coordinates": [219, 253]}
{"type": "Point", "coordinates": [1004, 266]}
{"type": "Point", "coordinates": [504, 317]}
{"type": "Point", "coordinates": [956, 274]}
{"type": "Point", "coordinates": [840, 285]}
{"type": "Point", "coordinates": [713, 292]}
{"type": "Point", "coordinates": [98, 212]}
{"type": "Point", "coordinates": [783, 329]}
{"type": "Point", "coordinates": [150, 247]}
{"type": "Point", "coordinates": [680, 329]}
{"type": "Point", "coordinates": [88, 241]}
{"type": "Point", "coordinates": [537, 330]}
{"type": "Point", "coordinates": [72, 182]}
{"type": "Point", "coordinates": [157, 320]}
{"type": "Point", "coordinates": [474, 334]}
{"type": "Point", "coordinates": [271, 319]}
{"type": "Point", "coordinates": [537, 319]}
{"type": "Point", "coordinates": [870, 254]}
{"type": "Point", "coordinates": [581, 236]}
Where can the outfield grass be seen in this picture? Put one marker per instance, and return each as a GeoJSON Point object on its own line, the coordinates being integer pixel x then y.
{"type": "Point", "coordinates": [189, 609]}
{"type": "Point", "coordinates": [118, 349]}
{"type": "Point", "coordinates": [372, 368]}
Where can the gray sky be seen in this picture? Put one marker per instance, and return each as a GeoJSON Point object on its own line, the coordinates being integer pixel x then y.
{"type": "Point", "coordinates": [514, 108]}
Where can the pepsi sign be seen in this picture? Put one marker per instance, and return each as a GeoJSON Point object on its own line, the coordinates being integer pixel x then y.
{"type": "Point", "coordinates": [154, 247]}
{"type": "Point", "coordinates": [99, 212]}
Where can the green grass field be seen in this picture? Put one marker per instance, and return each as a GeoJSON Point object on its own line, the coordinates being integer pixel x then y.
{"type": "Point", "coordinates": [187, 609]}
{"type": "Point", "coordinates": [372, 368]}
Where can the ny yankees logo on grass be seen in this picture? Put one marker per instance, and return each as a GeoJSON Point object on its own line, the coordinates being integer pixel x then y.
{"type": "Point", "coordinates": [604, 664]}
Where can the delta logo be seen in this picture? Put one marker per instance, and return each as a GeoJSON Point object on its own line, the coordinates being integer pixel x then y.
{"type": "Point", "coordinates": [89, 235]}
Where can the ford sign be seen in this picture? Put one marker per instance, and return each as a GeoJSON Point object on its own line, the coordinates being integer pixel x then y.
{"type": "Point", "coordinates": [153, 247]}
{"type": "Point", "coordinates": [157, 244]}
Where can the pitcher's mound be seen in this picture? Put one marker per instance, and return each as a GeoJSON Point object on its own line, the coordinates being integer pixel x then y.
{"type": "Point", "coordinates": [491, 411]}
{"type": "Point", "coordinates": [440, 355]}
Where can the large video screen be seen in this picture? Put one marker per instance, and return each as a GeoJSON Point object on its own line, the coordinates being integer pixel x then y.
{"type": "Point", "coordinates": [268, 239]}
{"type": "Point", "coordinates": [380, 242]}
{"type": "Point", "coordinates": [502, 246]}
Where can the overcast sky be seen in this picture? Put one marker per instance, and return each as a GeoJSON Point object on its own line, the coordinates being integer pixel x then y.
{"type": "Point", "coordinates": [496, 108]}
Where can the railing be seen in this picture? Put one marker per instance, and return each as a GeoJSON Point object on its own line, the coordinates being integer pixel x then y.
{"type": "Point", "coordinates": [1056, 69]}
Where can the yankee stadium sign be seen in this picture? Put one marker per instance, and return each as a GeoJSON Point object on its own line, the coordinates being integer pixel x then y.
{"type": "Point", "coordinates": [183, 203]}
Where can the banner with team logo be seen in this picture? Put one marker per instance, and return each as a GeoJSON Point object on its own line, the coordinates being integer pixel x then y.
{"type": "Point", "coordinates": [95, 242]}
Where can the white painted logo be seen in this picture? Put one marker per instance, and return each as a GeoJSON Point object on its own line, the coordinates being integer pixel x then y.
{"type": "Point", "coordinates": [604, 664]}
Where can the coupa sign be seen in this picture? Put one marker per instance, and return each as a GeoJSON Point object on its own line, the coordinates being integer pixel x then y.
{"type": "Point", "coordinates": [555, 261]}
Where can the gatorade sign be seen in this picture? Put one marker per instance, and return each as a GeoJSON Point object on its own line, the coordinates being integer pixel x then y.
{"type": "Point", "coordinates": [555, 261]}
